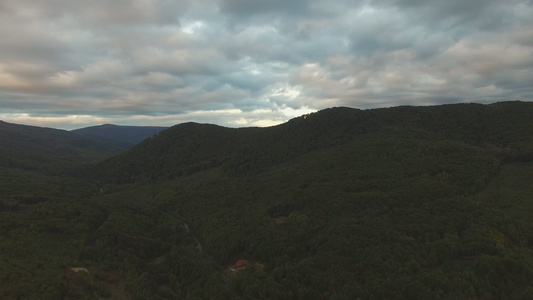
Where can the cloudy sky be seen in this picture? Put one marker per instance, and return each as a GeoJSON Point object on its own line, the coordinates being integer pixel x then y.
{"type": "Point", "coordinates": [73, 63]}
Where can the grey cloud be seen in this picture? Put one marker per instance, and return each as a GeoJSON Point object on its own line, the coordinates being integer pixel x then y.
{"type": "Point", "coordinates": [101, 12]}
{"type": "Point", "coordinates": [260, 59]}
{"type": "Point", "coordinates": [457, 16]}
{"type": "Point", "coordinates": [250, 8]}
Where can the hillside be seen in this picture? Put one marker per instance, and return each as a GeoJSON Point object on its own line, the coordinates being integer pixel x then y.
{"type": "Point", "coordinates": [394, 203]}
{"type": "Point", "coordinates": [188, 148]}
{"type": "Point", "coordinates": [39, 148]}
{"type": "Point", "coordinates": [127, 136]}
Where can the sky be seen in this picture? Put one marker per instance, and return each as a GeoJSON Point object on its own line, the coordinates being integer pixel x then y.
{"type": "Point", "coordinates": [74, 63]}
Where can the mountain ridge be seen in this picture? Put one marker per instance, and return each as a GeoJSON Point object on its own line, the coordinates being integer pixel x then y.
{"type": "Point", "coordinates": [191, 147]}
{"type": "Point", "coordinates": [33, 147]}
{"type": "Point", "coordinates": [125, 135]}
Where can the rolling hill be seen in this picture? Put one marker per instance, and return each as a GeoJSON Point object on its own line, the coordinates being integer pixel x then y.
{"type": "Point", "coordinates": [191, 147]}
{"type": "Point", "coordinates": [393, 203]}
{"type": "Point", "coordinates": [127, 136]}
{"type": "Point", "coordinates": [39, 148]}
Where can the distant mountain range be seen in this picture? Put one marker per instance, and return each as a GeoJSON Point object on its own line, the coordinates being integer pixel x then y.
{"type": "Point", "coordinates": [191, 147]}
{"type": "Point", "coordinates": [124, 135]}
{"type": "Point", "coordinates": [39, 148]}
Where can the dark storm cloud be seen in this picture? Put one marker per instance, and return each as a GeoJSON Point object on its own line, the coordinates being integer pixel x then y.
{"type": "Point", "coordinates": [252, 62]}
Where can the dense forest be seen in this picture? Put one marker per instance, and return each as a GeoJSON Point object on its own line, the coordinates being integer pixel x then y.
{"type": "Point", "coordinates": [395, 203]}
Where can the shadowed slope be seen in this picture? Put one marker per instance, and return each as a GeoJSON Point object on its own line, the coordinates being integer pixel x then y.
{"type": "Point", "coordinates": [127, 136]}
{"type": "Point", "coordinates": [38, 148]}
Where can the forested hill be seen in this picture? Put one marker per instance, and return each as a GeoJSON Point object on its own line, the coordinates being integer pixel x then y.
{"type": "Point", "coordinates": [188, 148]}
{"type": "Point", "coordinates": [394, 203]}
{"type": "Point", "coordinates": [127, 136]}
{"type": "Point", "coordinates": [40, 148]}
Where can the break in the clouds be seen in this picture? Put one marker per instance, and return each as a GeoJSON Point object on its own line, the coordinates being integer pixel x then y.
{"type": "Point", "coordinates": [73, 63]}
